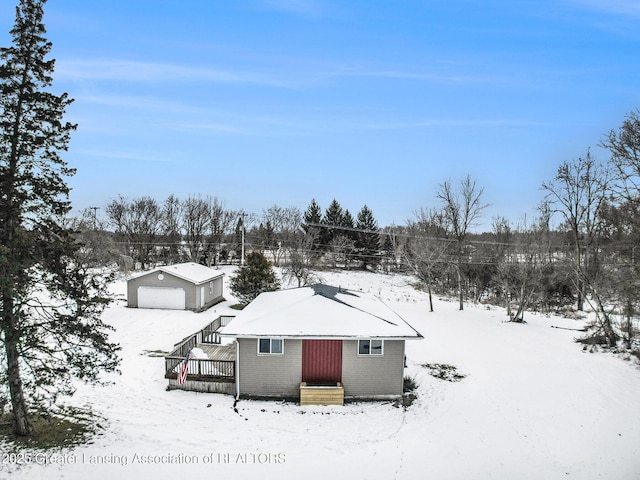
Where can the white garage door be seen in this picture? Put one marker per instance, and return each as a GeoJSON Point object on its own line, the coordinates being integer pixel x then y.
{"type": "Point", "coordinates": [161, 297]}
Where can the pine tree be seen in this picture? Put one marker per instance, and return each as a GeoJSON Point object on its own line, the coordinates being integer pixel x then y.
{"type": "Point", "coordinates": [238, 237]}
{"type": "Point", "coordinates": [312, 218]}
{"type": "Point", "coordinates": [348, 236]}
{"type": "Point", "coordinates": [253, 278]}
{"type": "Point", "coordinates": [333, 217]}
{"type": "Point", "coordinates": [267, 234]}
{"type": "Point", "coordinates": [50, 327]}
{"type": "Point", "coordinates": [368, 238]}
{"type": "Point", "coordinates": [349, 225]}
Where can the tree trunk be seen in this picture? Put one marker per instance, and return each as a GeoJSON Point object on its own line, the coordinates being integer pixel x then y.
{"type": "Point", "coordinates": [21, 424]}
{"type": "Point", "coordinates": [460, 293]}
{"type": "Point", "coordinates": [629, 324]}
{"type": "Point", "coordinates": [579, 277]}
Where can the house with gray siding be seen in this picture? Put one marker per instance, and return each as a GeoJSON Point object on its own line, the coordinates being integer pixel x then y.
{"type": "Point", "coordinates": [183, 286]}
{"type": "Point", "coordinates": [316, 341]}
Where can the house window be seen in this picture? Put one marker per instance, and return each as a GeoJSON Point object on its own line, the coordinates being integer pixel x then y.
{"type": "Point", "coordinates": [210, 288]}
{"type": "Point", "coordinates": [270, 346]}
{"type": "Point", "coordinates": [370, 347]}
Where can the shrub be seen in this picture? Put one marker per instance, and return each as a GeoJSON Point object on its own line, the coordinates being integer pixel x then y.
{"type": "Point", "coordinates": [409, 384]}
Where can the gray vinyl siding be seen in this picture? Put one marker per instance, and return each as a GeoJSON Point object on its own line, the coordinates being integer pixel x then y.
{"type": "Point", "coordinates": [216, 296]}
{"type": "Point", "coordinates": [269, 375]}
{"type": "Point", "coordinates": [210, 298]}
{"type": "Point", "coordinates": [373, 376]}
{"type": "Point", "coordinates": [192, 291]}
{"type": "Point", "coordinates": [151, 280]}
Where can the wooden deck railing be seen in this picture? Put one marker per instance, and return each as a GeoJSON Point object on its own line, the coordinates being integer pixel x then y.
{"type": "Point", "coordinates": [181, 349]}
{"type": "Point", "coordinates": [209, 334]}
{"type": "Point", "coordinates": [201, 368]}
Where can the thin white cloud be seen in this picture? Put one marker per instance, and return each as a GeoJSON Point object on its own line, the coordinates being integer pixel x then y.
{"type": "Point", "coordinates": [183, 117]}
{"type": "Point", "coordinates": [295, 78]}
{"type": "Point", "coordinates": [138, 102]}
{"type": "Point", "coordinates": [134, 71]}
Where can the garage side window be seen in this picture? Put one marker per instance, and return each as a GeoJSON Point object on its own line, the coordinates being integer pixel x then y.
{"type": "Point", "coordinates": [370, 347]}
{"type": "Point", "coordinates": [270, 346]}
{"type": "Point", "coordinates": [210, 288]}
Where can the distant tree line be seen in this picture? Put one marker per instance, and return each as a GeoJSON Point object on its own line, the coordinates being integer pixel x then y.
{"type": "Point", "coordinates": [589, 256]}
{"type": "Point", "coordinates": [142, 232]}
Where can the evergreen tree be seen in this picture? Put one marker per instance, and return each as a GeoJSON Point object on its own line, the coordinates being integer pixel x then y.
{"type": "Point", "coordinates": [253, 278]}
{"type": "Point", "coordinates": [266, 235]}
{"type": "Point", "coordinates": [333, 217]}
{"type": "Point", "coordinates": [50, 327]}
{"type": "Point", "coordinates": [349, 224]}
{"type": "Point", "coordinates": [368, 238]}
{"type": "Point", "coordinates": [348, 236]}
{"type": "Point", "coordinates": [312, 218]}
{"type": "Point", "coordinates": [238, 237]}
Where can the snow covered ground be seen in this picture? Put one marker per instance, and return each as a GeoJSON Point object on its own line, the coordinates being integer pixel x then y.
{"type": "Point", "coordinates": [533, 405]}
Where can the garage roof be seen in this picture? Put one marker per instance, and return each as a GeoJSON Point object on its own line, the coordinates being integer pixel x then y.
{"type": "Point", "coordinates": [190, 271]}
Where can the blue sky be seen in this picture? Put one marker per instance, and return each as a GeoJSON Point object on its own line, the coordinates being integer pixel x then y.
{"type": "Point", "coordinates": [264, 102]}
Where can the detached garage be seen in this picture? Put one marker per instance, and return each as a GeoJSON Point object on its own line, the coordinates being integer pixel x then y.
{"type": "Point", "coordinates": [185, 286]}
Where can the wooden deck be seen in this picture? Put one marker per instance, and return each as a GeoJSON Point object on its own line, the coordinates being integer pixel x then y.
{"type": "Point", "coordinates": [217, 367]}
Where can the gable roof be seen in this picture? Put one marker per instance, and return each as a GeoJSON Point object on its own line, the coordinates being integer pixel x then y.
{"type": "Point", "coordinates": [318, 311]}
{"type": "Point", "coordinates": [190, 271]}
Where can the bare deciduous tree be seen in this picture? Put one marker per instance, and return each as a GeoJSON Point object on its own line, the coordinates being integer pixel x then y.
{"type": "Point", "coordinates": [221, 221]}
{"type": "Point", "coordinates": [171, 227]}
{"type": "Point", "coordinates": [138, 223]}
{"type": "Point", "coordinates": [461, 208]}
{"type": "Point", "coordinates": [97, 247]}
{"type": "Point", "coordinates": [426, 247]}
{"type": "Point", "coordinates": [196, 220]}
{"type": "Point", "coordinates": [286, 223]}
{"type": "Point", "coordinates": [579, 193]}
{"type": "Point", "coordinates": [624, 146]}
{"type": "Point", "coordinates": [339, 248]}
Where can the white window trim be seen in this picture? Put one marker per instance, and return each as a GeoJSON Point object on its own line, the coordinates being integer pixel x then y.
{"type": "Point", "coordinates": [381, 354]}
{"type": "Point", "coordinates": [271, 339]}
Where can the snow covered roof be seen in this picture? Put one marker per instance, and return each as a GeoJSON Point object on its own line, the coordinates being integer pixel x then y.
{"type": "Point", "coordinates": [318, 311]}
{"type": "Point", "coordinates": [190, 271]}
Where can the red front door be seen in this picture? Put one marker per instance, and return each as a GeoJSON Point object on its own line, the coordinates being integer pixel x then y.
{"type": "Point", "coordinates": [322, 362]}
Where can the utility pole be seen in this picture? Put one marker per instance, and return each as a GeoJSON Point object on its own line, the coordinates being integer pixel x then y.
{"type": "Point", "coordinates": [242, 215]}
{"type": "Point", "coordinates": [95, 216]}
